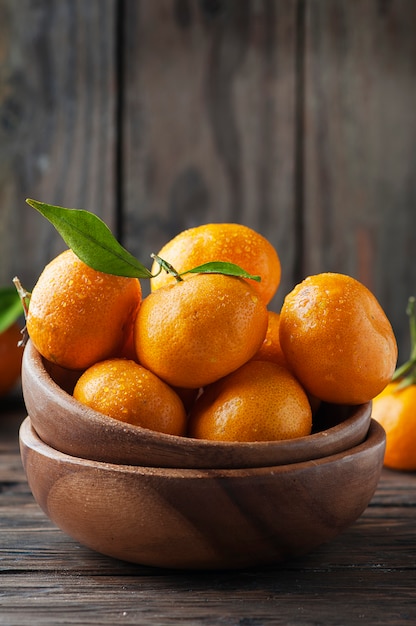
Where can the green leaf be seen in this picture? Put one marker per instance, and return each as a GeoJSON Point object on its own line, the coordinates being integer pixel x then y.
{"type": "Point", "coordinates": [91, 240]}
{"type": "Point", "coordinates": [10, 307]}
{"type": "Point", "coordinates": [221, 267]}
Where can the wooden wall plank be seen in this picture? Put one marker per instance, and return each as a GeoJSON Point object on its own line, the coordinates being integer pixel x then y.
{"type": "Point", "coordinates": [360, 147]}
{"type": "Point", "coordinates": [209, 120]}
{"type": "Point", "coordinates": [57, 122]}
{"type": "Point", "coordinates": [210, 94]}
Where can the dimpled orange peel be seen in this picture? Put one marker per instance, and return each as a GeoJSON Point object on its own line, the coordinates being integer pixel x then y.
{"type": "Point", "coordinates": [337, 339]}
{"type": "Point", "coordinates": [197, 330]}
{"type": "Point", "coordinates": [232, 243]}
{"type": "Point", "coordinates": [261, 401]}
{"type": "Point", "coordinates": [125, 391]}
{"type": "Point", "coordinates": [78, 316]}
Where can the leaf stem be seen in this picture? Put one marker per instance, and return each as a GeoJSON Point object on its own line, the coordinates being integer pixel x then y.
{"type": "Point", "coordinates": [406, 373]}
{"type": "Point", "coordinates": [23, 294]}
{"type": "Point", "coordinates": [169, 269]}
{"type": "Point", "coordinates": [25, 300]}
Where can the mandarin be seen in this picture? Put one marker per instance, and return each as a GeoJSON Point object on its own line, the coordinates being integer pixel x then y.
{"type": "Point", "coordinates": [10, 357]}
{"type": "Point", "coordinates": [261, 401]}
{"type": "Point", "coordinates": [126, 391]}
{"type": "Point", "coordinates": [195, 331]}
{"type": "Point", "coordinates": [232, 243]}
{"type": "Point", "coordinates": [337, 339]}
{"type": "Point", "coordinates": [78, 316]}
{"type": "Point", "coordinates": [270, 349]}
{"type": "Point", "coordinates": [395, 409]}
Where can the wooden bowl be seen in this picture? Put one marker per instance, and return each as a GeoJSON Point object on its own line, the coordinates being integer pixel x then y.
{"type": "Point", "coordinates": [203, 519]}
{"type": "Point", "coordinates": [73, 428]}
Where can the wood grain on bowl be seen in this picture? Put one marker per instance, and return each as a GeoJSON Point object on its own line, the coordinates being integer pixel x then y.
{"type": "Point", "coordinates": [203, 519]}
{"type": "Point", "coordinates": [75, 429]}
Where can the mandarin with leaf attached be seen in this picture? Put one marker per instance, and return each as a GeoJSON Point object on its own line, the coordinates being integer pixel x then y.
{"type": "Point", "coordinates": [77, 315]}
{"type": "Point", "coordinates": [197, 330]}
{"type": "Point", "coordinates": [227, 242]}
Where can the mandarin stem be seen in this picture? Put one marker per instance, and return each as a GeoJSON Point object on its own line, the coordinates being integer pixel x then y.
{"type": "Point", "coordinates": [23, 294]}
{"type": "Point", "coordinates": [406, 373]}
{"type": "Point", "coordinates": [169, 269]}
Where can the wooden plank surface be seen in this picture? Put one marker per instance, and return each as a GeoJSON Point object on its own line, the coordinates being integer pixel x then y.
{"type": "Point", "coordinates": [366, 575]}
{"type": "Point", "coordinates": [209, 120]}
{"type": "Point", "coordinates": [296, 118]}
{"type": "Point", "coordinates": [57, 122]}
{"type": "Point", "coordinates": [359, 146]}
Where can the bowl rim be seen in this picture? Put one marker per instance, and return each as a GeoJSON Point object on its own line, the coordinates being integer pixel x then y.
{"type": "Point", "coordinates": [376, 437]}
{"type": "Point", "coordinates": [33, 359]}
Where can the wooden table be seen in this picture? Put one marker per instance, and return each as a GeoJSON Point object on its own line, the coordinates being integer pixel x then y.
{"type": "Point", "coordinates": [365, 576]}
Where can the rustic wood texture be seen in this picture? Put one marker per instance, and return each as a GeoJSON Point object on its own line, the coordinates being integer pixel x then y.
{"type": "Point", "coordinates": [57, 122]}
{"type": "Point", "coordinates": [364, 575]}
{"type": "Point", "coordinates": [75, 429]}
{"type": "Point", "coordinates": [295, 117]}
{"type": "Point", "coordinates": [203, 519]}
{"type": "Point", "coordinates": [360, 147]}
{"type": "Point", "coordinates": [209, 120]}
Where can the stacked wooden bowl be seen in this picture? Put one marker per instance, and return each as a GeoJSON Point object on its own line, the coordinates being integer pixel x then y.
{"type": "Point", "coordinates": [177, 502]}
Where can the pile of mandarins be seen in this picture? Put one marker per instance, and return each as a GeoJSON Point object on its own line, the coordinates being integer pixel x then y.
{"type": "Point", "coordinates": [202, 355]}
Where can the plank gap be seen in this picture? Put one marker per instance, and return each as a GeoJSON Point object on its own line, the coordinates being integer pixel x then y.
{"type": "Point", "coordinates": [120, 14]}
{"type": "Point", "coordinates": [299, 148]}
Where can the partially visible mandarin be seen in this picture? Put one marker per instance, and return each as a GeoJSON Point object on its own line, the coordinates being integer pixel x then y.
{"type": "Point", "coordinates": [271, 350]}
{"type": "Point", "coordinates": [196, 331]}
{"type": "Point", "coordinates": [128, 350]}
{"type": "Point", "coordinates": [78, 316]}
{"type": "Point", "coordinates": [232, 243]}
{"type": "Point", "coordinates": [188, 396]}
{"type": "Point", "coordinates": [126, 391]}
{"type": "Point", "coordinates": [261, 401]}
{"type": "Point", "coordinates": [337, 339]}
{"type": "Point", "coordinates": [10, 358]}
{"type": "Point", "coordinates": [395, 409]}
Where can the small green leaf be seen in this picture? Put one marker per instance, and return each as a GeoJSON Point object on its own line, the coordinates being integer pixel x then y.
{"type": "Point", "coordinates": [91, 240]}
{"type": "Point", "coordinates": [10, 307]}
{"type": "Point", "coordinates": [221, 267]}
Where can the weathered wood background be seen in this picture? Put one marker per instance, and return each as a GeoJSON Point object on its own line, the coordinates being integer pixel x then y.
{"type": "Point", "coordinates": [296, 117]}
